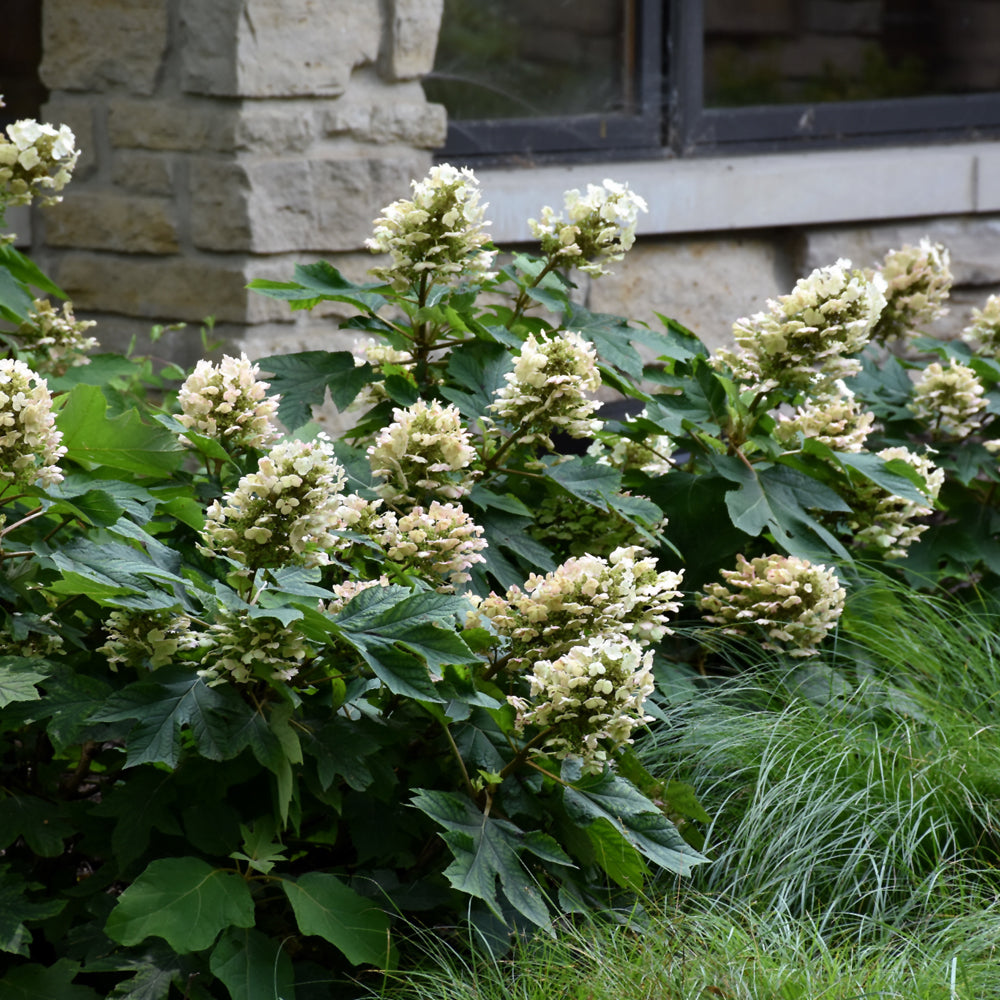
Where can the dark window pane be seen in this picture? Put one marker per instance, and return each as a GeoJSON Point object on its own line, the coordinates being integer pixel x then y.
{"type": "Point", "coordinates": [20, 53]}
{"type": "Point", "coordinates": [816, 51]}
{"type": "Point", "coordinates": [534, 58]}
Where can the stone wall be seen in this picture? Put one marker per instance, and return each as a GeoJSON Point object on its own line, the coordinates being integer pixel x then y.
{"type": "Point", "coordinates": [224, 141]}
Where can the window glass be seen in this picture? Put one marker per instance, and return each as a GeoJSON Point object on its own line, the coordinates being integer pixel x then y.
{"type": "Point", "coordinates": [534, 58]}
{"type": "Point", "coordinates": [761, 52]}
{"type": "Point", "coordinates": [20, 53]}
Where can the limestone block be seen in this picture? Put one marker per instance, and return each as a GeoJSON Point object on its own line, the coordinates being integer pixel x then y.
{"type": "Point", "coordinates": [276, 48]}
{"type": "Point", "coordinates": [78, 114]}
{"type": "Point", "coordinates": [194, 125]}
{"type": "Point", "coordinates": [973, 243]}
{"type": "Point", "coordinates": [413, 35]}
{"type": "Point", "coordinates": [705, 284]}
{"type": "Point", "coordinates": [97, 45]}
{"type": "Point", "coordinates": [280, 127]}
{"type": "Point", "coordinates": [143, 173]}
{"type": "Point", "coordinates": [322, 204]}
{"type": "Point", "coordinates": [163, 288]}
{"type": "Point", "coordinates": [388, 117]}
{"type": "Point", "coordinates": [106, 220]}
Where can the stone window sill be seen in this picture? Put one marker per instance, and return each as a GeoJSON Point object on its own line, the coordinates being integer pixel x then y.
{"type": "Point", "coordinates": [764, 191]}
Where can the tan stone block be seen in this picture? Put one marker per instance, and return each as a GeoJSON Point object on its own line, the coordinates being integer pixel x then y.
{"type": "Point", "coordinates": [143, 173]}
{"type": "Point", "coordinates": [97, 45]}
{"type": "Point", "coordinates": [219, 218]}
{"type": "Point", "coordinates": [413, 36]}
{"type": "Point", "coordinates": [193, 124]}
{"type": "Point", "coordinates": [281, 127]}
{"type": "Point", "coordinates": [164, 288]}
{"type": "Point", "coordinates": [112, 221]}
{"type": "Point", "coordinates": [706, 284]}
{"type": "Point", "coordinates": [276, 48]}
{"type": "Point", "coordinates": [78, 114]}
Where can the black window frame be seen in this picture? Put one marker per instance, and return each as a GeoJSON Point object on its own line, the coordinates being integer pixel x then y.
{"type": "Point", "coordinates": [601, 134]}
{"type": "Point", "coordinates": [672, 121]}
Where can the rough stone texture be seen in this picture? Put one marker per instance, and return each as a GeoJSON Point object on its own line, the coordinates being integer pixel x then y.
{"type": "Point", "coordinates": [283, 47]}
{"type": "Point", "coordinates": [161, 288]}
{"type": "Point", "coordinates": [706, 284]}
{"type": "Point", "coordinates": [364, 114]}
{"type": "Point", "coordinates": [113, 221]}
{"type": "Point", "coordinates": [412, 38]}
{"type": "Point", "coordinates": [195, 126]}
{"type": "Point", "coordinates": [78, 114]}
{"type": "Point", "coordinates": [144, 173]}
{"type": "Point", "coordinates": [96, 45]}
{"type": "Point", "coordinates": [275, 206]}
{"type": "Point", "coordinates": [279, 127]}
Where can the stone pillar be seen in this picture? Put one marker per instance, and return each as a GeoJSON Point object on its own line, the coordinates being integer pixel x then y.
{"type": "Point", "coordinates": [224, 141]}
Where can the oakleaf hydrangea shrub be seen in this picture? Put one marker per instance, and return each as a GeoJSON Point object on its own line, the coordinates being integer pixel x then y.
{"type": "Point", "coordinates": [267, 698]}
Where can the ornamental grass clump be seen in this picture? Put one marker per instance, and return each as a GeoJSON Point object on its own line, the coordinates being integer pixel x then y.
{"type": "Point", "coordinates": [789, 602]}
{"type": "Point", "coordinates": [950, 400]}
{"type": "Point", "coordinates": [917, 282]}
{"type": "Point", "coordinates": [598, 227]}
{"type": "Point", "coordinates": [438, 235]}
{"type": "Point", "coordinates": [30, 444]}
{"type": "Point", "coordinates": [229, 403]}
{"type": "Point", "coordinates": [425, 450]}
{"type": "Point", "coordinates": [807, 339]}
{"type": "Point", "coordinates": [285, 513]}
{"type": "Point", "coordinates": [547, 392]}
{"type": "Point", "coordinates": [588, 702]}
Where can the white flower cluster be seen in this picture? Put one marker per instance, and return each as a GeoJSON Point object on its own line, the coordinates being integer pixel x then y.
{"type": "Point", "coordinates": [792, 602]}
{"type": "Point", "coordinates": [30, 444]}
{"type": "Point", "coordinates": [146, 638]}
{"type": "Point", "coordinates": [918, 280]}
{"type": "Point", "coordinates": [35, 161]}
{"type": "Point", "coordinates": [836, 420]}
{"type": "Point", "coordinates": [285, 512]}
{"type": "Point", "coordinates": [951, 400]}
{"type": "Point", "coordinates": [884, 519]}
{"type": "Point", "coordinates": [56, 338]}
{"type": "Point", "coordinates": [651, 455]}
{"type": "Point", "coordinates": [598, 227]}
{"type": "Point", "coordinates": [438, 235]}
{"type": "Point", "coordinates": [984, 330]}
{"type": "Point", "coordinates": [622, 595]}
{"type": "Point", "coordinates": [425, 449]}
{"type": "Point", "coordinates": [805, 340]}
{"type": "Point", "coordinates": [245, 649]}
{"type": "Point", "coordinates": [591, 697]}
{"type": "Point", "coordinates": [380, 356]}
{"type": "Point", "coordinates": [441, 542]}
{"type": "Point", "coordinates": [229, 403]}
{"type": "Point", "coordinates": [547, 390]}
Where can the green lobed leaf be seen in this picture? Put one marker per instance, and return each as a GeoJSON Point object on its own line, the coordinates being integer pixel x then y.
{"type": "Point", "coordinates": [16, 908]}
{"type": "Point", "coordinates": [610, 335]}
{"type": "Point", "coordinates": [325, 906]}
{"type": "Point", "coordinates": [636, 819]}
{"type": "Point", "coordinates": [37, 982]}
{"type": "Point", "coordinates": [43, 824]}
{"type": "Point", "coordinates": [143, 801]}
{"type": "Point", "coordinates": [302, 379]}
{"type": "Point", "coordinates": [185, 901]}
{"type": "Point", "coordinates": [18, 679]}
{"type": "Point", "coordinates": [487, 850]}
{"type": "Point", "coordinates": [253, 966]}
{"type": "Point", "coordinates": [217, 716]}
{"type": "Point", "coordinates": [124, 442]}
{"type": "Point", "coordinates": [318, 282]}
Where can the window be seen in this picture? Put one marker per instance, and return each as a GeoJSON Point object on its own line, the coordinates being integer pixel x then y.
{"type": "Point", "coordinates": [532, 79]}
{"type": "Point", "coordinates": [20, 54]}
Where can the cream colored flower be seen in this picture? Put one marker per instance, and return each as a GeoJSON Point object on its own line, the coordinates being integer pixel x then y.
{"type": "Point", "coordinates": [30, 444]}
{"type": "Point", "coordinates": [245, 649]}
{"type": "Point", "coordinates": [56, 339]}
{"type": "Point", "coordinates": [438, 235]}
{"type": "Point", "coordinates": [790, 602]}
{"type": "Point", "coordinates": [36, 161]}
{"type": "Point", "coordinates": [591, 698]}
{"type": "Point", "coordinates": [807, 339]}
{"type": "Point", "coordinates": [425, 450]}
{"type": "Point", "coordinates": [229, 403]}
{"type": "Point", "coordinates": [951, 400]}
{"type": "Point", "coordinates": [836, 420]}
{"type": "Point", "coordinates": [146, 638]}
{"type": "Point", "coordinates": [547, 390]}
{"type": "Point", "coordinates": [287, 512]}
{"type": "Point", "coordinates": [598, 227]}
{"type": "Point", "coordinates": [918, 280]}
